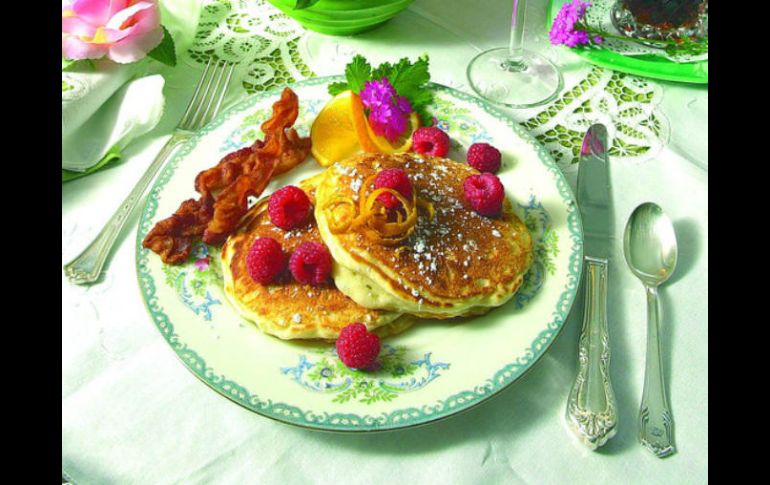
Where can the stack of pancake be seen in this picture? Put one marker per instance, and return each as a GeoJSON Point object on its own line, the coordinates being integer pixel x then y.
{"type": "Point", "coordinates": [453, 262]}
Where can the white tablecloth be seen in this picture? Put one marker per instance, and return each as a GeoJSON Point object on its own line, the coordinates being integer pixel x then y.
{"type": "Point", "coordinates": [132, 413]}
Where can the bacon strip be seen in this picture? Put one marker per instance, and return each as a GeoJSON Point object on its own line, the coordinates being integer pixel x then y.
{"type": "Point", "coordinates": [225, 188]}
{"type": "Point", "coordinates": [172, 238]}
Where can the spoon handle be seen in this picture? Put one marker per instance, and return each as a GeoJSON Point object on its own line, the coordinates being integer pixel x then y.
{"type": "Point", "coordinates": [591, 409]}
{"type": "Point", "coordinates": [656, 425]}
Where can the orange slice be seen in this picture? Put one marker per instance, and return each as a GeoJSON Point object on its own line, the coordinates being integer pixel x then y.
{"type": "Point", "coordinates": [362, 125]}
{"type": "Point", "coordinates": [341, 130]}
{"type": "Point", "coordinates": [333, 134]}
{"type": "Point", "coordinates": [402, 144]}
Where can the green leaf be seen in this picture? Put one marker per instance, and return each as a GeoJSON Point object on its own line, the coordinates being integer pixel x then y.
{"type": "Point", "coordinates": [164, 52]}
{"type": "Point", "coordinates": [357, 73]}
{"type": "Point", "coordinates": [426, 119]}
{"type": "Point", "coordinates": [383, 70]}
{"type": "Point", "coordinates": [77, 64]}
{"type": "Point", "coordinates": [409, 79]}
{"type": "Point", "coordinates": [305, 4]}
{"type": "Point", "coordinates": [419, 100]}
{"type": "Point", "coordinates": [337, 88]}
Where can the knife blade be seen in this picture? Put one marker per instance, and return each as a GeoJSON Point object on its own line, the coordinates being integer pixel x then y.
{"type": "Point", "coordinates": [591, 408]}
{"type": "Point", "coordinates": [593, 192]}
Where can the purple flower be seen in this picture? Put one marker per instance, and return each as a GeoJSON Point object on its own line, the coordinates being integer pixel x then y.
{"type": "Point", "coordinates": [563, 28]}
{"type": "Point", "coordinates": [388, 112]}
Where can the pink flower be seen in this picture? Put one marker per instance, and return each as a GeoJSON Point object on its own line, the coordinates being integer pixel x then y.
{"type": "Point", "coordinates": [123, 30]}
{"type": "Point", "coordinates": [565, 25]}
{"type": "Point", "coordinates": [388, 112]}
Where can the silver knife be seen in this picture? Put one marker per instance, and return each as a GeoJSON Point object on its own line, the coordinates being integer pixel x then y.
{"type": "Point", "coordinates": [591, 408]}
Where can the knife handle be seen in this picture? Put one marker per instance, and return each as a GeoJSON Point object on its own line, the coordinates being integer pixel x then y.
{"type": "Point", "coordinates": [591, 408]}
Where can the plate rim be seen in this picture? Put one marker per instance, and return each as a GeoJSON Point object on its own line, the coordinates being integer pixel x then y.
{"type": "Point", "coordinates": [691, 72]}
{"type": "Point", "coordinates": [349, 422]}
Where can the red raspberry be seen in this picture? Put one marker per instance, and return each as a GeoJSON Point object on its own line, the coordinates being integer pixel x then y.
{"type": "Point", "coordinates": [311, 263]}
{"type": "Point", "coordinates": [485, 193]}
{"type": "Point", "coordinates": [265, 260]}
{"type": "Point", "coordinates": [484, 157]}
{"type": "Point", "coordinates": [430, 140]}
{"type": "Point", "coordinates": [357, 348]}
{"type": "Point", "coordinates": [393, 178]}
{"type": "Point", "coordinates": [288, 207]}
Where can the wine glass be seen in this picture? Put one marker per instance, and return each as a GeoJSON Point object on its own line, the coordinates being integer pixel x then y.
{"type": "Point", "coordinates": [514, 76]}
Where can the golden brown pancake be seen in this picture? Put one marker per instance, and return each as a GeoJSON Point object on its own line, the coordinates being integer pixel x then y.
{"type": "Point", "coordinates": [456, 262]}
{"type": "Point", "coordinates": [287, 308]}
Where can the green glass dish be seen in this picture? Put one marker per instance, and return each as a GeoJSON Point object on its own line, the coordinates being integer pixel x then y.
{"type": "Point", "coordinates": [655, 67]}
{"type": "Point", "coordinates": [342, 17]}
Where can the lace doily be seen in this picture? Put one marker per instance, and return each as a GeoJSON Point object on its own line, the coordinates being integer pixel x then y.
{"type": "Point", "coordinates": [599, 15]}
{"type": "Point", "coordinates": [258, 37]}
{"type": "Point", "coordinates": [627, 105]}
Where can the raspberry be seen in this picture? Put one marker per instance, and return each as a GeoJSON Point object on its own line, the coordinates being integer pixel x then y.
{"type": "Point", "coordinates": [485, 193]}
{"type": "Point", "coordinates": [430, 140]}
{"type": "Point", "coordinates": [484, 157]}
{"type": "Point", "coordinates": [311, 263]}
{"type": "Point", "coordinates": [288, 207]}
{"type": "Point", "coordinates": [265, 260]}
{"type": "Point", "coordinates": [393, 178]}
{"type": "Point", "coordinates": [357, 348]}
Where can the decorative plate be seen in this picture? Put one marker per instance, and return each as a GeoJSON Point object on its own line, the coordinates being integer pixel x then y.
{"type": "Point", "coordinates": [652, 66]}
{"type": "Point", "coordinates": [432, 370]}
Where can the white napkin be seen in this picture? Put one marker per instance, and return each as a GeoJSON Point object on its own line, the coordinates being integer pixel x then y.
{"type": "Point", "coordinates": [104, 109]}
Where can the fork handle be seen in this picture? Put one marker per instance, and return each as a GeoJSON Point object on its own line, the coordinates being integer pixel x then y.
{"type": "Point", "coordinates": [591, 408]}
{"type": "Point", "coordinates": [656, 424]}
{"type": "Point", "coordinates": [86, 268]}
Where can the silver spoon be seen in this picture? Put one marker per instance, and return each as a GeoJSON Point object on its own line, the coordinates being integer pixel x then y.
{"type": "Point", "coordinates": [649, 244]}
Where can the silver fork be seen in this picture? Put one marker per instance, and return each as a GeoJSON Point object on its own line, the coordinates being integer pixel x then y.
{"type": "Point", "coordinates": [203, 107]}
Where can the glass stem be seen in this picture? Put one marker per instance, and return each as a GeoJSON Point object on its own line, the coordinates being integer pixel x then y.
{"type": "Point", "coordinates": [515, 60]}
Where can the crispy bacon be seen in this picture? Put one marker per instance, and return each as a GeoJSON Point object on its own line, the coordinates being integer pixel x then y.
{"type": "Point", "coordinates": [172, 237]}
{"type": "Point", "coordinates": [232, 202]}
{"type": "Point", "coordinates": [225, 188]}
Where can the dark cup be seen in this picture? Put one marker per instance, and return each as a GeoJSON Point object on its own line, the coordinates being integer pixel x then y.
{"type": "Point", "coordinates": [661, 19]}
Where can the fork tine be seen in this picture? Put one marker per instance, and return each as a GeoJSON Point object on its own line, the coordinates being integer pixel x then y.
{"type": "Point", "coordinates": [195, 99]}
{"type": "Point", "coordinates": [195, 120]}
{"type": "Point", "coordinates": [217, 94]}
{"type": "Point", "coordinates": [224, 90]}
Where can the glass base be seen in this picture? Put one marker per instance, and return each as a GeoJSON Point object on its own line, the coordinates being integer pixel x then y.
{"type": "Point", "coordinates": [531, 80]}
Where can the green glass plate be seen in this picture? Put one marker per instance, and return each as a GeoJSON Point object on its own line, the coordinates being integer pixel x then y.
{"type": "Point", "coordinates": [343, 17]}
{"type": "Point", "coordinates": [431, 371]}
{"type": "Point", "coordinates": [646, 66]}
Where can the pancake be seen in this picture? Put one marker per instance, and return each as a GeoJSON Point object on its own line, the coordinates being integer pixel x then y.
{"type": "Point", "coordinates": [287, 308]}
{"type": "Point", "coordinates": [455, 263]}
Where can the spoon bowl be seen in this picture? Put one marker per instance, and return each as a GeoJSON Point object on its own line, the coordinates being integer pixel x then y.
{"type": "Point", "coordinates": [649, 244]}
